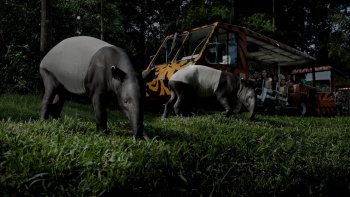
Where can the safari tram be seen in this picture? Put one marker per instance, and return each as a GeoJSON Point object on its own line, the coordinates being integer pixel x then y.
{"type": "Point", "coordinates": [240, 50]}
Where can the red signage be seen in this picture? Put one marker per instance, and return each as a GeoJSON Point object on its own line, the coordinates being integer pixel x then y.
{"type": "Point", "coordinates": [309, 70]}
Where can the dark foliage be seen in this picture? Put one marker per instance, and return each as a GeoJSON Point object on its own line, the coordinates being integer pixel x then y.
{"type": "Point", "coordinates": [320, 28]}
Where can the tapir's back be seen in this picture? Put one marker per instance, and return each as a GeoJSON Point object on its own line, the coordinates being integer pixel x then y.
{"type": "Point", "coordinates": [69, 61]}
{"type": "Point", "coordinates": [203, 79]}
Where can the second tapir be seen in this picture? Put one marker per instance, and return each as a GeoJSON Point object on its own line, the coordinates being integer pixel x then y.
{"type": "Point", "coordinates": [201, 81]}
{"type": "Point", "coordinates": [86, 65]}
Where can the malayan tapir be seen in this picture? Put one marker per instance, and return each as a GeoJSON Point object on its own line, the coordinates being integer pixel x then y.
{"type": "Point", "coordinates": [86, 65]}
{"type": "Point", "coordinates": [201, 81]}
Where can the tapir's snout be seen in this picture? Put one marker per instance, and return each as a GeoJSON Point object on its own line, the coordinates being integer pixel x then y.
{"type": "Point", "coordinates": [251, 99]}
{"type": "Point", "coordinates": [132, 104]}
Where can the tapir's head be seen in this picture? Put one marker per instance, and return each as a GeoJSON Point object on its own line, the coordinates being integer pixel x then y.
{"type": "Point", "coordinates": [248, 98]}
{"type": "Point", "coordinates": [130, 90]}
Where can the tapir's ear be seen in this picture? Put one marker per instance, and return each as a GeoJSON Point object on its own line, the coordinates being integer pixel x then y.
{"type": "Point", "coordinates": [149, 75]}
{"type": "Point", "coordinates": [118, 74]}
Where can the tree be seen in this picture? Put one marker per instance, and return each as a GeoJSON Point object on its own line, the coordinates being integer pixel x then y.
{"type": "Point", "coordinates": [258, 22]}
{"type": "Point", "coordinates": [20, 53]}
{"type": "Point", "coordinates": [45, 37]}
{"type": "Point", "coordinates": [339, 40]}
{"type": "Point", "coordinates": [320, 28]}
{"type": "Point", "coordinates": [46, 26]}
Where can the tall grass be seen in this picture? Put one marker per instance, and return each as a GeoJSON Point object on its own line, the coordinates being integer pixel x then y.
{"type": "Point", "coordinates": [192, 156]}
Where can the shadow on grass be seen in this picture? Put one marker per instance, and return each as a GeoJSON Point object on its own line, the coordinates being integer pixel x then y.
{"type": "Point", "coordinates": [19, 108]}
{"type": "Point", "coordinates": [274, 122]}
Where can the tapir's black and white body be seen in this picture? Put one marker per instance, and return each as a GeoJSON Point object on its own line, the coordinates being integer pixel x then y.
{"type": "Point", "coordinates": [203, 81]}
{"type": "Point", "coordinates": [86, 65]}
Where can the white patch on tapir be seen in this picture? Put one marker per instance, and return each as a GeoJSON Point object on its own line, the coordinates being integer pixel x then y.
{"type": "Point", "coordinates": [203, 79]}
{"type": "Point", "coordinates": [70, 61]}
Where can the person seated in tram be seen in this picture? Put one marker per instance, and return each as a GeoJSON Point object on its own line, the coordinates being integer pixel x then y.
{"type": "Point", "coordinates": [340, 102]}
{"type": "Point", "coordinates": [274, 84]}
{"type": "Point", "coordinates": [324, 88]}
{"type": "Point", "coordinates": [290, 83]}
{"type": "Point", "coordinates": [256, 80]}
{"type": "Point", "coordinates": [283, 88]}
{"type": "Point", "coordinates": [225, 57]}
{"type": "Point", "coordinates": [266, 85]}
{"type": "Point", "coordinates": [283, 91]}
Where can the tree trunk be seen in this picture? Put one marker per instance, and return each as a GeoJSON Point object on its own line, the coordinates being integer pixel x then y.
{"type": "Point", "coordinates": [46, 36]}
{"type": "Point", "coordinates": [46, 33]}
{"type": "Point", "coordinates": [234, 13]}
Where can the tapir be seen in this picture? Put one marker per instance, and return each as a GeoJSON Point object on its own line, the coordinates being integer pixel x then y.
{"type": "Point", "coordinates": [198, 81]}
{"type": "Point", "coordinates": [88, 66]}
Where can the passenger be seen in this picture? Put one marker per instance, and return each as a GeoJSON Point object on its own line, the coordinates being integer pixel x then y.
{"type": "Point", "coordinates": [289, 78]}
{"type": "Point", "coordinates": [290, 83]}
{"type": "Point", "coordinates": [283, 88]}
{"type": "Point", "coordinates": [281, 76]}
{"type": "Point", "coordinates": [340, 97]}
{"type": "Point", "coordinates": [267, 85]}
{"type": "Point", "coordinates": [325, 88]}
{"type": "Point", "coordinates": [340, 102]}
{"type": "Point", "coordinates": [274, 82]}
{"type": "Point", "coordinates": [283, 91]}
{"type": "Point", "coordinates": [225, 57]}
{"type": "Point", "coordinates": [257, 81]}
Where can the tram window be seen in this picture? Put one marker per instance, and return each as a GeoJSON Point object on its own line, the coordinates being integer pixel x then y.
{"type": "Point", "coordinates": [228, 47]}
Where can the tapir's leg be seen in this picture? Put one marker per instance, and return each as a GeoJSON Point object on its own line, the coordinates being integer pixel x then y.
{"type": "Point", "coordinates": [227, 101]}
{"type": "Point", "coordinates": [226, 94]}
{"type": "Point", "coordinates": [51, 85]}
{"type": "Point", "coordinates": [58, 102]}
{"type": "Point", "coordinates": [184, 94]}
{"type": "Point", "coordinates": [46, 106]}
{"type": "Point", "coordinates": [189, 100]}
{"type": "Point", "coordinates": [100, 111]}
{"type": "Point", "coordinates": [177, 106]}
{"type": "Point", "coordinates": [169, 104]}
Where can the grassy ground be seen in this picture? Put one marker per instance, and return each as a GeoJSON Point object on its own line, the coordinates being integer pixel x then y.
{"type": "Point", "coordinates": [193, 156]}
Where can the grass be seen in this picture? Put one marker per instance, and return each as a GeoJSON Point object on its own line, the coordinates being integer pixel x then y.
{"type": "Point", "coordinates": [206, 155]}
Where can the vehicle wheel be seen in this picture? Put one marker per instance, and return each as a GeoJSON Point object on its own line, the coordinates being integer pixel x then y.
{"type": "Point", "coordinates": [302, 109]}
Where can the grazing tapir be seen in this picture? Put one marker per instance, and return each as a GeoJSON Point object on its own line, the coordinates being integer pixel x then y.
{"type": "Point", "coordinates": [86, 65]}
{"type": "Point", "coordinates": [202, 81]}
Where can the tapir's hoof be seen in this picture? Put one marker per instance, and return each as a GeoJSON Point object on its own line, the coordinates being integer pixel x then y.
{"type": "Point", "coordinates": [106, 132]}
{"type": "Point", "coordinates": [225, 114]}
{"type": "Point", "coordinates": [142, 136]}
{"type": "Point", "coordinates": [145, 137]}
